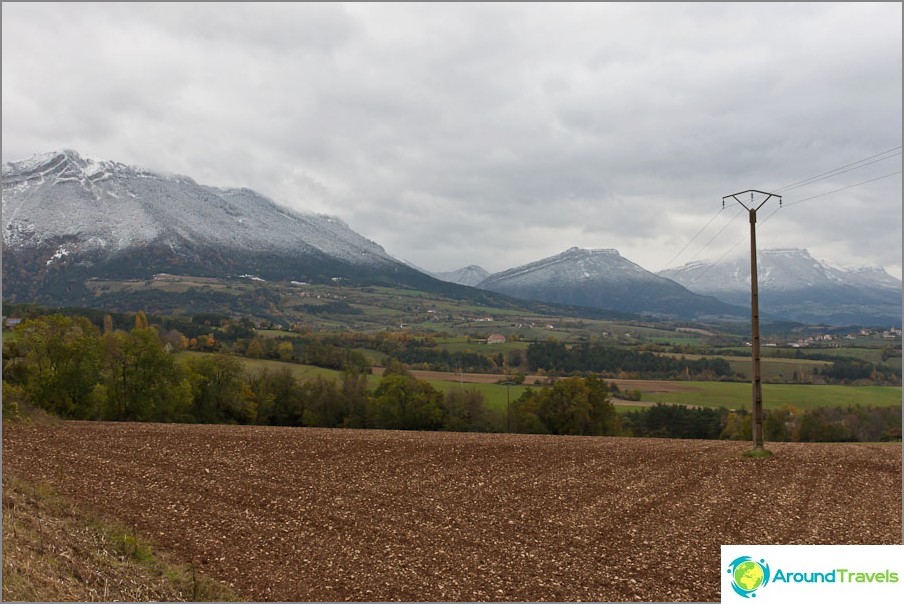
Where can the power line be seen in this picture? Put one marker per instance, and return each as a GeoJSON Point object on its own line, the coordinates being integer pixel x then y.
{"type": "Point", "coordinates": [856, 165]}
{"type": "Point", "coordinates": [791, 203]}
{"type": "Point", "coordinates": [713, 238]}
{"type": "Point", "coordinates": [687, 245]}
{"type": "Point", "coordinates": [841, 170]}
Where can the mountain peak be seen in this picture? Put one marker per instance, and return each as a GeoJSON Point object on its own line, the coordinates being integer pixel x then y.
{"type": "Point", "coordinates": [603, 279]}
{"type": "Point", "coordinates": [103, 212]}
{"type": "Point", "coordinates": [583, 252]}
{"type": "Point", "coordinates": [796, 286]}
{"type": "Point", "coordinates": [470, 275]}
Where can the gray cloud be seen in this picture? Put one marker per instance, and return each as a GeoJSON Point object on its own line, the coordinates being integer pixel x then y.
{"type": "Point", "coordinates": [492, 134]}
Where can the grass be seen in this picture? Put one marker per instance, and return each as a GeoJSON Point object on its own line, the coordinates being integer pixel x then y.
{"type": "Point", "coordinates": [802, 396]}
{"type": "Point", "coordinates": [732, 395]}
{"type": "Point", "coordinates": [758, 453]}
{"type": "Point", "coordinates": [773, 369]}
{"type": "Point", "coordinates": [54, 550]}
{"type": "Point", "coordinates": [299, 372]}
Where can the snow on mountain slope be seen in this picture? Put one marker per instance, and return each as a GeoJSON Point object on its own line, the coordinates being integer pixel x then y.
{"type": "Point", "coordinates": [602, 278]}
{"type": "Point", "coordinates": [108, 206]}
{"type": "Point", "coordinates": [777, 270]}
{"type": "Point", "coordinates": [793, 284]}
{"type": "Point", "coordinates": [470, 275]}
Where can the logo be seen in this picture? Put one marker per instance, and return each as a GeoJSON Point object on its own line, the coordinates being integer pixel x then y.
{"type": "Point", "coordinates": [748, 575]}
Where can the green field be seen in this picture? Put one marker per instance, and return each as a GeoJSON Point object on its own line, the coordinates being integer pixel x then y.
{"type": "Point", "coordinates": [802, 396]}
{"type": "Point", "coordinates": [732, 395]}
{"type": "Point", "coordinates": [772, 369]}
{"type": "Point", "coordinates": [299, 372]}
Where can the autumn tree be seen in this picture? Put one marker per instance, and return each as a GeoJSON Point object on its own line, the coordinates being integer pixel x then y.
{"type": "Point", "coordinates": [255, 349]}
{"type": "Point", "coordinates": [141, 381]}
{"type": "Point", "coordinates": [62, 358]}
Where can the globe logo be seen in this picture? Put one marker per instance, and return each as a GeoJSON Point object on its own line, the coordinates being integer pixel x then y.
{"type": "Point", "coordinates": [748, 575]}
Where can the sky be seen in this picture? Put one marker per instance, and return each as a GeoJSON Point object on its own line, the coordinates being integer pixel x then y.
{"type": "Point", "coordinates": [492, 134]}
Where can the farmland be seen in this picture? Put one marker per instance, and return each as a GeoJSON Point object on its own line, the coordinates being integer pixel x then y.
{"type": "Point", "coordinates": [731, 395]}
{"type": "Point", "coordinates": [315, 514]}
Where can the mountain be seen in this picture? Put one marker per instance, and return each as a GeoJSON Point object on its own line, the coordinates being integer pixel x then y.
{"type": "Point", "coordinates": [795, 286]}
{"type": "Point", "coordinates": [604, 279]}
{"type": "Point", "coordinates": [470, 275]}
{"type": "Point", "coordinates": [68, 218]}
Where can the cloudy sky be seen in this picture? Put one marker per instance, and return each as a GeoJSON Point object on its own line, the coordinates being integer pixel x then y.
{"type": "Point", "coordinates": [492, 134]}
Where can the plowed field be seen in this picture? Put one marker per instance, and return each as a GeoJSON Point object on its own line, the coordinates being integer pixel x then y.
{"type": "Point", "coordinates": [309, 514]}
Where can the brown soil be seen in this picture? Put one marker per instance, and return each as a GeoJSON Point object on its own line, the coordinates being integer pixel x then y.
{"type": "Point", "coordinates": [310, 514]}
{"type": "Point", "coordinates": [492, 378]}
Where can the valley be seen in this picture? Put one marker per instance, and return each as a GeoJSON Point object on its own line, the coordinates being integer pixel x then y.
{"type": "Point", "coordinates": [85, 232]}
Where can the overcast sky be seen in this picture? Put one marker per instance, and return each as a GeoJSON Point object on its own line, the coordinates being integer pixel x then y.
{"type": "Point", "coordinates": [491, 134]}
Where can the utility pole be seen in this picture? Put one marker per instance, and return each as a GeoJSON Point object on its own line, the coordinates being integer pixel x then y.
{"type": "Point", "coordinates": [757, 423]}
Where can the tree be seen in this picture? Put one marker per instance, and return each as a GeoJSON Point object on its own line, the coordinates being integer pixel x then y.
{"type": "Point", "coordinates": [260, 395]}
{"type": "Point", "coordinates": [355, 395]}
{"type": "Point", "coordinates": [525, 416]}
{"type": "Point", "coordinates": [578, 406]}
{"type": "Point", "coordinates": [218, 393]}
{"type": "Point", "coordinates": [323, 404]}
{"type": "Point", "coordinates": [255, 349]}
{"type": "Point", "coordinates": [465, 411]}
{"type": "Point", "coordinates": [396, 367]}
{"type": "Point", "coordinates": [62, 355]}
{"type": "Point", "coordinates": [779, 424]}
{"type": "Point", "coordinates": [285, 351]}
{"type": "Point", "coordinates": [140, 379]}
{"type": "Point", "coordinates": [279, 397]}
{"type": "Point", "coordinates": [404, 403]}
{"type": "Point", "coordinates": [737, 426]}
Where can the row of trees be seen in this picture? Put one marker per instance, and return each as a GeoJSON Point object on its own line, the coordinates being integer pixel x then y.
{"type": "Point", "coordinates": [559, 357]}
{"type": "Point", "coordinates": [826, 424]}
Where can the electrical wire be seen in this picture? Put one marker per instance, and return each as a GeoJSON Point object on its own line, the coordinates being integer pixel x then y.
{"type": "Point", "coordinates": [786, 204]}
{"type": "Point", "coordinates": [840, 170]}
{"type": "Point", "coordinates": [791, 203]}
{"type": "Point", "coordinates": [884, 155]}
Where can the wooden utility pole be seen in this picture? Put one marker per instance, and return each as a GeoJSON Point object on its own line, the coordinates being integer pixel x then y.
{"type": "Point", "coordinates": [757, 423]}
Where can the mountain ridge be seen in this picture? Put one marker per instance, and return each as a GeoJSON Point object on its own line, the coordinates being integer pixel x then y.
{"type": "Point", "coordinates": [795, 285]}
{"type": "Point", "coordinates": [603, 278]}
{"type": "Point", "coordinates": [470, 275]}
{"type": "Point", "coordinates": [67, 218]}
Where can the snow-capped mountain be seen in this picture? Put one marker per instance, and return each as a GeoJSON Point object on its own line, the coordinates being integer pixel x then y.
{"type": "Point", "coordinates": [469, 275]}
{"type": "Point", "coordinates": [794, 285]}
{"type": "Point", "coordinates": [602, 278]}
{"type": "Point", "coordinates": [69, 217]}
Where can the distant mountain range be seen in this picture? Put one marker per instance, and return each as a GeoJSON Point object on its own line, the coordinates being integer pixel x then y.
{"type": "Point", "coordinates": [67, 219]}
{"type": "Point", "coordinates": [794, 285]}
{"type": "Point", "coordinates": [604, 279]}
{"type": "Point", "coordinates": [470, 275]}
